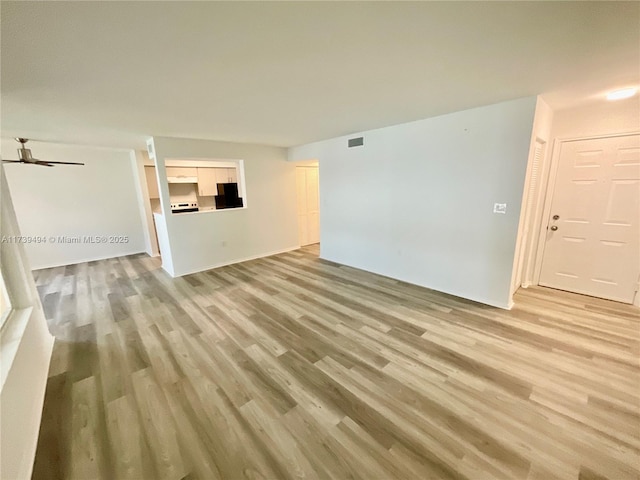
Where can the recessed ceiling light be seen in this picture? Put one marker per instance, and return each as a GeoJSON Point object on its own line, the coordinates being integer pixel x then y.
{"type": "Point", "coordinates": [620, 94]}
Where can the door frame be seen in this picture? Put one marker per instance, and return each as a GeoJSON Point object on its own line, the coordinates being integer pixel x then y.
{"type": "Point", "coordinates": [530, 214]}
{"type": "Point", "coordinates": [547, 198]}
{"type": "Point", "coordinates": [309, 164]}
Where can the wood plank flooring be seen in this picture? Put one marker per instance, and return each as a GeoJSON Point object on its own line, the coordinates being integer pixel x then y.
{"type": "Point", "coordinates": [294, 367]}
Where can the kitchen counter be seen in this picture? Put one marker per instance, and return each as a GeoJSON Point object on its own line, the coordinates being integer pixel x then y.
{"type": "Point", "coordinates": [209, 210]}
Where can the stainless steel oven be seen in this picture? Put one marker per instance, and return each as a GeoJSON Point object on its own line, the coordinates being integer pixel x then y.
{"type": "Point", "coordinates": [184, 207]}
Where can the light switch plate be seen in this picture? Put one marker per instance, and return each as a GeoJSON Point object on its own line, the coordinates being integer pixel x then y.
{"type": "Point", "coordinates": [500, 208]}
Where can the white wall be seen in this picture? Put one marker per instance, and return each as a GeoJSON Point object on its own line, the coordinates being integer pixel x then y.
{"type": "Point", "coordinates": [415, 203]}
{"type": "Point", "coordinates": [97, 199]}
{"type": "Point", "coordinates": [25, 352]}
{"type": "Point", "coordinates": [599, 118]}
{"type": "Point", "coordinates": [268, 225]}
{"type": "Point", "coordinates": [22, 399]}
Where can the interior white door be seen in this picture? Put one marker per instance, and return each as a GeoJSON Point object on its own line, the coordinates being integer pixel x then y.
{"type": "Point", "coordinates": [593, 234]}
{"type": "Point", "coordinates": [308, 205]}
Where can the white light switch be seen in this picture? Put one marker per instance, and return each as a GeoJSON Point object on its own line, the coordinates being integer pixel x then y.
{"type": "Point", "coordinates": [500, 208]}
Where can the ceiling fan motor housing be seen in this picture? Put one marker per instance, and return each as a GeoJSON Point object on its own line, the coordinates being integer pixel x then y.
{"type": "Point", "coordinates": [24, 154]}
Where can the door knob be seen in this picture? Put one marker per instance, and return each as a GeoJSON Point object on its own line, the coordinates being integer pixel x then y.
{"type": "Point", "coordinates": [554, 228]}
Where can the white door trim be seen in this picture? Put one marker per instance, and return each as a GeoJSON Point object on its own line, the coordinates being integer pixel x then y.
{"type": "Point", "coordinates": [546, 210]}
{"type": "Point", "coordinates": [548, 195]}
{"type": "Point", "coordinates": [531, 214]}
{"type": "Point", "coordinates": [595, 137]}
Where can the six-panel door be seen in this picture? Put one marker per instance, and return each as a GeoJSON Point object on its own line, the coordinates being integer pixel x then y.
{"type": "Point", "coordinates": [592, 245]}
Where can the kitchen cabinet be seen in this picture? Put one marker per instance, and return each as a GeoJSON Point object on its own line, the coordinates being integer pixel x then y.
{"type": "Point", "coordinates": [226, 175]}
{"type": "Point", "coordinates": [221, 175]}
{"type": "Point", "coordinates": [210, 177]}
{"type": "Point", "coordinates": [207, 181]}
{"type": "Point", "coordinates": [152, 182]}
{"type": "Point", "coordinates": [182, 171]}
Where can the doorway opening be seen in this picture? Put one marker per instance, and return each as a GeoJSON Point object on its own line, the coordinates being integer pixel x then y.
{"type": "Point", "coordinates": [308, 202]}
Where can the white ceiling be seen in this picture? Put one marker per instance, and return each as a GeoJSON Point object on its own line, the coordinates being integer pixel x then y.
{"type": "Point", "coordinates": [113, 73]}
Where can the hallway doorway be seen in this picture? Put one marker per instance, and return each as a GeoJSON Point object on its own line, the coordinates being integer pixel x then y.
{"type": "Point", "coordinates": [308, 198]}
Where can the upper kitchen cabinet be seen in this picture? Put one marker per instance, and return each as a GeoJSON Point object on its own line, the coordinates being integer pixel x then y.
{"type": "Point", "coordinates": [152, 182]}
{"type": "Point", "coordinates": [226, 175]}
{"type": "Point", "coordinates": [209, 178]}
{"type": "Point", "coordinates": [177, 173]}
{"type": "Point", "coordinates": [207, 181]}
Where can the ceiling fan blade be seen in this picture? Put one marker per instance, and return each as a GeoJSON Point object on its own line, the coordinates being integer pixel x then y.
{"type": "Point", "coordinates": [41, 163]}
{"type": "Point", "coordinates": [11, 161]}
{"type": "Point", "coordinates": [62, 163]}
{"type": "Point", "coordinates": [51, 163]}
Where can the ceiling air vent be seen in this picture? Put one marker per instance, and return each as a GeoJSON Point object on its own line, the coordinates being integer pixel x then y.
{"type": "Point", "coordinates": [356, 142]}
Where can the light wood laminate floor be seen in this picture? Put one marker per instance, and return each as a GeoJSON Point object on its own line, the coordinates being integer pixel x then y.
{"type": "Point", "coordinates": [291, 366]}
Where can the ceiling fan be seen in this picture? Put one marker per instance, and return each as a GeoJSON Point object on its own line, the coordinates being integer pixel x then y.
{"type": "Point", "coordinates": [24, 155]}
